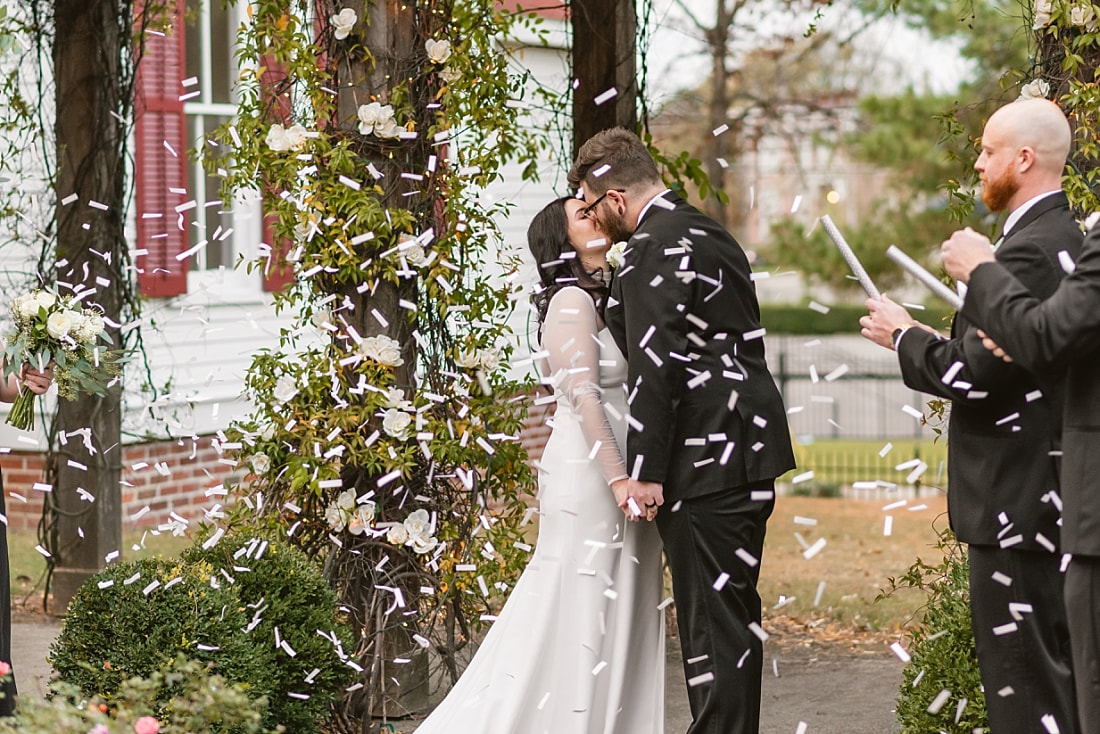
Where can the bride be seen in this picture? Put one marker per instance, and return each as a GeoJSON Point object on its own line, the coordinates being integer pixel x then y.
{"type": "Point", "coordinates": [579, 645]}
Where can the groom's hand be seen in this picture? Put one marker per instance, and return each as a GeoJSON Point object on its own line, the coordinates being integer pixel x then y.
{"type": "Point", "coordinates": [639, 499]}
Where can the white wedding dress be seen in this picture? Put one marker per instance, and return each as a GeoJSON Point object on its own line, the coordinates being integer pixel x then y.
{"type": "Point", "coordinates": [579, 646]}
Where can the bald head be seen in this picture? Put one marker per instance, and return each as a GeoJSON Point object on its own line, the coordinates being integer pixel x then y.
{"type": "Point", "coordinates": [1025, 145]}
{"type": "Point", "coordinates": [1038, 124]}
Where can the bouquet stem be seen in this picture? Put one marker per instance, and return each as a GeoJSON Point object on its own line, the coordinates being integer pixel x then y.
{"type": "Point", "coordinates": [22, 410]}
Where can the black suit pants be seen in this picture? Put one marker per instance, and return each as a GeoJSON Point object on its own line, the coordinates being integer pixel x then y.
{"type": "Point", "coordinates": [1083, 610]}
{"type": "Point", "coordinates": [7, 688]}
{"type": "Point", "coordinates": [723, 658]}
{"type": "Point", "coordinates": [1027, 673]}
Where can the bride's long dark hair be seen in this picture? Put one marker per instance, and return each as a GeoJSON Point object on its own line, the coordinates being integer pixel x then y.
{"type": "Point", "coordinates": [558, 262]}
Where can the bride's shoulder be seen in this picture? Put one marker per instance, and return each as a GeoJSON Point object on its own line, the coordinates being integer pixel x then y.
{"type": "Point", "coordinates": [571, 297]}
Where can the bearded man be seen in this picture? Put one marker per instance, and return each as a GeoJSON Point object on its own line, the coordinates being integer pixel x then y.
{"type": "Point", "coordinates": [1005, 431]}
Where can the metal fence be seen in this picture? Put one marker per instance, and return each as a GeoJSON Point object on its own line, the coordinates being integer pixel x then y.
{"type": "Point", "coordinates": [845, 387]}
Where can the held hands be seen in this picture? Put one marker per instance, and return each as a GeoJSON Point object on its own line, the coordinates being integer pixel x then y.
{"type": "Point", "coordinates": [964, 251]}
{"type": "Point", "coordinates": [638, 499]}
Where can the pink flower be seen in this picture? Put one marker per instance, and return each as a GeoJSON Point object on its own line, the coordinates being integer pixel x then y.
{"type": "Point", "coordinates": [5, 668]}
{"type": "Point", "coordinates": [146, 725]}
{"type": "Point", "coordinates": [100, 729]}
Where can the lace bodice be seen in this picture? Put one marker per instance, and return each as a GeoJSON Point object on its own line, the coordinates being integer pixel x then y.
{"type": "Point", "coordinates": [581, 362]}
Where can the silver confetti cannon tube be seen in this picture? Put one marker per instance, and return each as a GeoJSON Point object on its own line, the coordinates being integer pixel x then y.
{"type": "Point", "coordinates": [930, 281]}
{"type": "Point", "coordinates": [850, 257]}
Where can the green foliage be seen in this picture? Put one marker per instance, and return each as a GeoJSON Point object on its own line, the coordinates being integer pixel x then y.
{"type": "Point", "coordinates": [943, 656]}
{"type": "Point", "coordinates": [843, 318]}
{"type": "Point", "coordinates": [200, 702]}
{"type": "Point", "coordinates": [222, 607]}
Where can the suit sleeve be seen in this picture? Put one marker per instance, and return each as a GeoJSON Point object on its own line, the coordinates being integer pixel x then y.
{"type": "Point", "coordinates": [961, 369]}
{"type": "Point", "coordinates": [1039, 334]}
{"type": "Point", "coordinates": [654, 297]}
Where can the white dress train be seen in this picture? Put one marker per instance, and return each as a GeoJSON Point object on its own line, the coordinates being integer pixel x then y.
{"type": "Point", "coordinates": [579, 646]}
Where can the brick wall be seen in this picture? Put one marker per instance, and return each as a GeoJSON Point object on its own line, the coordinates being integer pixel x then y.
{"type": "Point", "coordinates": [164, 476]}
{"type": "Point", "coordinates": [174, 476]}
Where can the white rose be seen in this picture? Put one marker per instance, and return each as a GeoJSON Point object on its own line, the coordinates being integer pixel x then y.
{"type": "Point", "coordinates": [346, 500]}
{"type": "Point", "coordinates": [45, 299]}
{"type": "Point", "coordinates": [93, 323]}
{"type": "Point", "coordinates": [285, 389]}
{"type": "Point", "coordinates": [323, 320]}
{"type": "Point", "coordinates": [469, 360]}
{"type": "Point", "coordinates": [59, 323]}
{"type": "Point", "coordinates": [277, 138]}
{"type": "Point", "coordinates": [361, 519]}
{"type": "Point", "coordinates": [409, 247]}
{"type": "Point", "coordinates": [268, 432]}
{"type": "Point", "coordinates": [397, 423]}
{"type": "Point", "coordinates": [335, 517]}
{"type": "Point", "coordinates": [343, 22]}
{"type": "Point", "coordinates": [383, 350]}
{"type": "Point", "coordinates": [1035, 89]}
{"type": "Point", "coordinates": [424, 545]}
{"type": "Point", "coordinates": [397, 534]}
{"type": "Point", "coordinates": [450, 75]}
{"type": "Point", "coordinates": [388, 129]}
{"type": "Point", "coordinates": [616, 255]}
{"type": "Point", "coordinates": [438, 51]}
{"type": "Point", "coordinates": [25, 307]}
{"type": "Point", "coordinates": [489, 358]}
{"type": "Point", "coordinates": [395, 398]}
{"type": "Point", "coordinates": [416, 524]}
{"type": "Point", "coordinates": [296, 137]}
{"type": "Point", "coordinates": [260, 463]}
{"type": "Point", "coordinates": [374, 116]}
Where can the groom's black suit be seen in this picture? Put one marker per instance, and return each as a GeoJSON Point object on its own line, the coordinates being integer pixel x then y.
{"type": "Point", "coordinates": [1003, 488]}
{"type": "Point", "coordinates": [708, 422]}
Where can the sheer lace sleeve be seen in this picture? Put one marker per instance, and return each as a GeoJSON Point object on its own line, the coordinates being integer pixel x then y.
{"type": "Point", "coordinates": [569, 337]}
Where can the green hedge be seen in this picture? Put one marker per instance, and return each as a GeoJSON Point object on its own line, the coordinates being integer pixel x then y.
{"type": "Point", "coordinates": [221, 606]}
{"type": "Point", "coordinates": [841, 319]}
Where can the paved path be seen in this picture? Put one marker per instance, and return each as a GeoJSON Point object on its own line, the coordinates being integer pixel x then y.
{"type": "Point", "coordinates": [829, 687]}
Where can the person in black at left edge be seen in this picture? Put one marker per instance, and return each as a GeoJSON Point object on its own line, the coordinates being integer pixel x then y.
{"type": "Point", "coordinates": [38, 382]}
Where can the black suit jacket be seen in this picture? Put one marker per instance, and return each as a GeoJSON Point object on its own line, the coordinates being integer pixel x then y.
{"type": "Point", "coordinates": [705, 412]}
{"type": "Point", "coordinates": [1001, 434]}
{"type": "Point", "coordinates": [1048, 336]}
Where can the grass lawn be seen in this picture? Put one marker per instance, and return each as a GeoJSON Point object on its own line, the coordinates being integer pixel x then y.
{"type": "Point", "coordinates": [28, 566]}
{"type": "Point", "coordinates": [854, 563]}
{"type": "Point", "coordinates": [842, 462]}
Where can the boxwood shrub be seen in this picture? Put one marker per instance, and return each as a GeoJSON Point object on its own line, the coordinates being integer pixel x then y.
{"type": "Point", "coordinates": [253, 610]}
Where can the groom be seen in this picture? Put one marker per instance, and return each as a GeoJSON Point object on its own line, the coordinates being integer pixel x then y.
{"type": "Point", "coordinates": [708, 431]}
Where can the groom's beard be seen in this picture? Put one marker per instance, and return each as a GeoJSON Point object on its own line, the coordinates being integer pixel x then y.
{"type": "Point", "coordinates": [614, 226]}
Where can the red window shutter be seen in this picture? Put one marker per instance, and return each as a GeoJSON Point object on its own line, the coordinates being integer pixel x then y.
{"type": "Point", "coordinates": [159, 125]}
{"type": "Point", "coordinates": [278, 273]}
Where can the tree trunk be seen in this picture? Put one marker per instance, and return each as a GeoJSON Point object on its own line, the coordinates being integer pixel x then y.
{"type": "Point", "coordinates": [603, 60]}
{"type": "Point", "coordinates": [717, 111]}
{"type": "Point", "coordinates": [393, 41]}
{"type": "Point", "coordinates": [87, 55]}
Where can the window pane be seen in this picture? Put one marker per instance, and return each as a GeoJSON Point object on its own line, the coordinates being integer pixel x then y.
{"type": "Point", "coordinates": [213, 222]}
{"type": "Point", "coordinates": [223, 35]}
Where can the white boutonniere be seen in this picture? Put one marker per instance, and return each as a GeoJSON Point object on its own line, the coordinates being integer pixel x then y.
{"type": "Point", "coordinates": [616, 255]}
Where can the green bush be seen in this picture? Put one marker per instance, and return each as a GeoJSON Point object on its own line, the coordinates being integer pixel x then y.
{"type": "Point", "coordinates": [204, 703]}
{"type": "Point", "coordinates": [785, 318]}
{"type": "Point", "coordinates": [283, 590]}
{"type": "Point", "coordinates": [943, 656]}
{"type": "Point", "coordinates": [223, 610]}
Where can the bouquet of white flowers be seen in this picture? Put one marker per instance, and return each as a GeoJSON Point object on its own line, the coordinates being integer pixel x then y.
{"type": "Point", "coordinates": [54, 331]}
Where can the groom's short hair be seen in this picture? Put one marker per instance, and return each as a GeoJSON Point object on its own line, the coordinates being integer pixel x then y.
{"type": "Point", "coordinates": [613, 159]}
